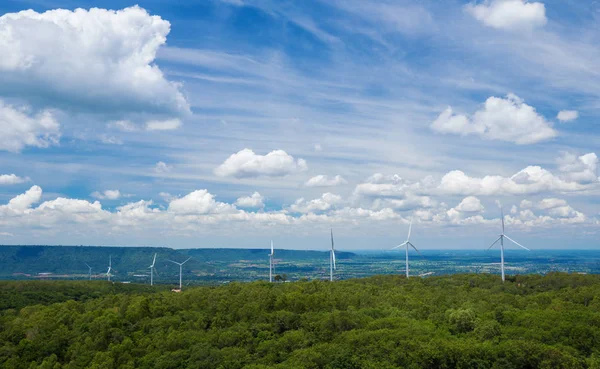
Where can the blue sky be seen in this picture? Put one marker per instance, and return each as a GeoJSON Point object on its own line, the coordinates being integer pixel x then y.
{"type": "Point", "coordinates": [228, 123]}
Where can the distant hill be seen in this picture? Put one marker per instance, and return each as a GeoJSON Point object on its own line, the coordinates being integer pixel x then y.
{"type": "Point", "coordinates": [132, 263]}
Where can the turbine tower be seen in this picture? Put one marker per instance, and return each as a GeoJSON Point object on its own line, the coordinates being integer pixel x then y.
{"type": "Point", "coordinates": [152, 271]}
{"type": "Point", "coordinates": [90, 271]}
{"type": "Point", "coordinates": [331, 259]}
{"type": "Point", "coordinates": [180, 269]}
{"type": "Point", "coordinates": [406, 244]}
{"type": "Point", "coordinates": [271, 263]}
{"type": "Point", "coordinates": [501, 239]}
{"type": "Point", "coordinates": [109, 268]}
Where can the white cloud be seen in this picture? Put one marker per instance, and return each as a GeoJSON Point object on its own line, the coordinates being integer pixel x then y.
{"type": "Point", "coordinates": [19, 128]}
{"type": "Point", "coordinates": [253, 201]}
{"type": "Point", "coordinates": [582, 168]}
{"type": "Point", "coordinates": [123, 125]}
{"type": "Point", "coordinates": [97, 60]}
{"type": "Point", "coordinates": [22, 202]}
{"type": "Point", "coordinates": [326, 202]}
{"type": "Point", "coordinates": [506, 119]}
{"type": "Point", "coordinates": [246, 163]}
{"type": "Point", "coordinates": [388, 186]}
{"type": "Point", "coordinates": [509, 14]}
{"type": "Point", "coordinates": [532, 179]}
{"type": "Point", "coordinates": [11, 179]}
{"type": "Point", "coordinates": [470, 204]}
{"type": "Point", "coordinates": [110, 140]}
{"type": "Point", "coordinates": [318, 148]}
{"type": "Point", "coordinates": [199, 202]}
{"type": "Point", "coordinates": [325, 181]}
{"type": "Point", "coordinates": [551, 203]}
{"type": "Point", "coordinates": [162, 167]}
{"type": "Point", "coordinates": [163, 125]}
{"type": "Point", "coordinates": [567, 115]}
{"type": "Point", "coordinates": [526, 204]}
{"type": "Point", "coordinates": [108, 194]}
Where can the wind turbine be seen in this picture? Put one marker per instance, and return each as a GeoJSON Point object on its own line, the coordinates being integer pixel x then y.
{"type": "Point", "coordinates": [406, 244]}
{"type": "Point", "coordinates": [90, 271]}
{"type": "Point", "coordinates": [109, 268]}
{"type": "Point", "coordinates": [271, 263]}
{"type": "Point", "coordinates": [152, 271]}
{"type": "Point", "coordinates": [501, 239]}
{"type": "Point", "coordinates": [331, 259]}
{"type": "Point", "coordinates": [180, 269]}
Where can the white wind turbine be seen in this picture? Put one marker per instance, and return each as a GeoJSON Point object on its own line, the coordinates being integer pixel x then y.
{"type": "Point", "coordinates": [331, 259]}
{"type": "Point", "coordinates": [406, 244]}
{"type": "Point", "coordinates": [109, 268]}
{"type": "Point", "coordinates": [501, 239]}
{"type": "Point", "coordinates": [152, 271]}
{"type": "Point", "coordinates": [90, 271]}
{"type": "Point", "coordinates": [180, 269]}
{"type": "Point", "coordinates": [271, 263]}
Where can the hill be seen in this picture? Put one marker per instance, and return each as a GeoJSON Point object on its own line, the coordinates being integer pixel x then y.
{"type": "Point", "coordinates": [459, 321]}
{"type": "Point", "coordinates": [131, 263]}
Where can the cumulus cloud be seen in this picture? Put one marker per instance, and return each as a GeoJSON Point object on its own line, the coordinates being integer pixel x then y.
{"type": "Point", "coordinates": [93, 59]}
{"type": "Point", "coordinates": [163, 125]}
{"type": "Point", "coordinates": [470, 204]}
{"type": "Point", "coordinates": [253, 201]}
{"type": "Point", "coordinates": [22, 202]}
{"type": "Point", "coordinates": [582, 168]}
{"type": "Point", "coordinates": [325, 181]}
{"type": "Point", "coordinates": [509, 14]}
{"type": "Point", "coordinates": [198, 210]}
{"type": "Point", "coordinates": [567, 115]}
{"type": "Point", "coordinates": [505, 119]}
{"type": "Point", "coordinates": [108, 194]}
{"type": "Point", "coordinates": [11, 179]}
{"type": "Point", "coordinates": [551, 203]}
{"type": "Point", "coordinates": [246, 163]}
{"type": "Point", "coordinates": [20, 128]}
{"type": "Point", "coordinates": [325, 202]}
{"type": "Point", "coordinates": [526, 204]}
{"type": "Point", "coordinates": [532, 179]}
{"type": "Point", "coordinates": [198, 202]}
{"type": "Point", "coordinates": [162, 167]}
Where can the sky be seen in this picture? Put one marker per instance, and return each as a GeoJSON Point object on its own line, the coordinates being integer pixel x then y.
{"type": "Point", "coordinates": [228, 123]}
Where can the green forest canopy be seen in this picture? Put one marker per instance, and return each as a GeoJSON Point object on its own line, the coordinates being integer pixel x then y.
{"type": "Point", "coordinates": [459, 321]}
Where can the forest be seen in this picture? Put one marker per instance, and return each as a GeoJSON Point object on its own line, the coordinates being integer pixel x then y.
{"type": "Point", "coordinates": [458, 321]}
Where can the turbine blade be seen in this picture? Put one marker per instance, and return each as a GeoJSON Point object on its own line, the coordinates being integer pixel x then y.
{"type": "Point", "coordinates": [515, 242]}
{"type": "Point", "coordinates": [154, 260]}
{"type": "Point", "coordinates": [333, 255]}
{"type": "Point", "coordinates": [188, 259]}
{"type": "Point", "coordinates": [498, 239]}
{"type": "Point", "coordinates": [400, 245]}
{"type": "Point", "coordinates": [174, 262]}
{"type": "Point", "coordinates": [271, 247]}
{"type": "Point", "coordinates": [332, 246]}
{"type": "Point", "coordinates": [409, 229]}
{"type": "Point", "coordinates": [418, 252]}
{"type": "Point", "coordinates": [502, 213]}
{"type": "Point", "coordinates": [86, 264]}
